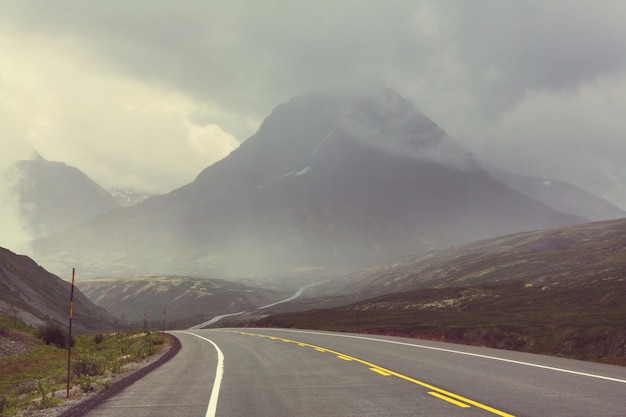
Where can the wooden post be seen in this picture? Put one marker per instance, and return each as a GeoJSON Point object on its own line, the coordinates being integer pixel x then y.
{"type": "Point", "coordinates": [357, 313]}
{"type": "Point", "coordinates": [69, 338]}
{"type": "Point", "coordinates": [163, 327]}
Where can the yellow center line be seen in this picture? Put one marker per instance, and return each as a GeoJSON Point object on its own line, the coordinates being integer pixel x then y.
{"type": "Point", "coordinates": [380, 371]}
{"type": "Point", "coordinates": [436, 392]}
{"type": "Point", "coordinates": [450, 400]}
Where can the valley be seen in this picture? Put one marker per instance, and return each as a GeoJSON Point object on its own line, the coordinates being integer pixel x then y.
{"type": "Point", "coordinates": [407, 208]}
{"type": "Point", "coordinates": [145, 301]}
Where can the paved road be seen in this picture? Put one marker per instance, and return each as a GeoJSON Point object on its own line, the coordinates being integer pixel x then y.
{"type": "Point", "coordinates": [291, 298]}
{"type": "Point", "coordinates": [301, 373]}
{"type": "Point", "coordinates": [180, 387]}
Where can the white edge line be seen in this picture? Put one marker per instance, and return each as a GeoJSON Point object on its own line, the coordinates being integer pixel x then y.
{"type": "Point", "coordinates": [219, 373]}
{"type": "Point", "coordinates": [495, 358]}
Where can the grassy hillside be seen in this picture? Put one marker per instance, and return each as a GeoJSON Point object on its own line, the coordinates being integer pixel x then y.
{"type": "Point", "coordinates": [558, 291]}
{"type": "Point", "coordinates": [575, 253]}
{"type": "Point", "coordinates": [187, 301]}
{"type": "Point", "coordinates": [582, 319]}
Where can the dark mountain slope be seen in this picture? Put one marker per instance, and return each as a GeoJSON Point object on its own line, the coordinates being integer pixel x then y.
{"type": "Point", "coordinates": [33, 295]}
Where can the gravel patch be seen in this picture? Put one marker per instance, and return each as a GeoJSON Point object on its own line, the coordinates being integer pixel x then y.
{"type": "Point", "coordinates": [14, 343]}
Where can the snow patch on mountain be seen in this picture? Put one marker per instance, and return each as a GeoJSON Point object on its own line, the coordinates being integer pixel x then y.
{"type": "Point", "coordinates": [303, 171]}
{"type": "Point", "coordinates": [129, 197]}
{"type": "Point", "coordinates": [322, 142]}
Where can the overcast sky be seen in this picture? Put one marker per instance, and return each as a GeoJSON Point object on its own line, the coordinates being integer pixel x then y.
{"type": "Point", "coordinates": [147, 93]}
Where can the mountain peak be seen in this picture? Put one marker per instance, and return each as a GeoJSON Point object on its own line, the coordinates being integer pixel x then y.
{"type": "Point", "coordinates": [316, 123]}
{"type": "Point", "coordinates": [388, 122]}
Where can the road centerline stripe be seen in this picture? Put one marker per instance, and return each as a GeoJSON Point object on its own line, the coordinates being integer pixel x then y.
{"type": "Point", "coordinates": [458, 352]}
{"type": "Point", "coordinates": [448, 399]}
{"type": "Point", "coordinates": [379, 369]}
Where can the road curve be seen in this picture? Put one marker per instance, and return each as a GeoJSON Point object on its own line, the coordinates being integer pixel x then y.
{"type": "Point", "coordinates": [180, 387]}
{"type": "Point", "coordinates": [274, 372]}
{"type": "Point", "coordinates": [291, 298]}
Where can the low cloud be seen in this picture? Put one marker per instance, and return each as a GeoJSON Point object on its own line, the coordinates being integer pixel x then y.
{"type": "Point", "coordinates": [119, 131]}
{"type": "Point", "coordinates": [13, 235]}
{"type": "Point", "coordinates": [147, 94]}
{"type": "Point", "coordinates": [577, 136]}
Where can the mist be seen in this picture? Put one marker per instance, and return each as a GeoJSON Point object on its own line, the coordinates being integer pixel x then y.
{"type": "Point", "coordinates": [392, 124]}
{"type": "Point", "coordinates": [13, 234]}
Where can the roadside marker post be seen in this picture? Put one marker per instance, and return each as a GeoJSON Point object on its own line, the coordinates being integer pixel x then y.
{"type": "Point", "coordinates": [163, 327]}
{"type": "Point", "coordinates": [69, 338]}
{"type": "Point", "coordinates": [357, 314]}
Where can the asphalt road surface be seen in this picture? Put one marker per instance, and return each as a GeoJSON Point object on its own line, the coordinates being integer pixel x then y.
{"type": "Point", "coordinates": [287, 373]}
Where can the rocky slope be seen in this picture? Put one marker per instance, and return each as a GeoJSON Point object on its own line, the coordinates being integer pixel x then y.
{"type": "Point", "coordinates": [31, 294]}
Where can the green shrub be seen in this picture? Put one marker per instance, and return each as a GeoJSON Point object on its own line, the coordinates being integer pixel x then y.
{"type": "Point", "coordinates": [53, 334]}
{"type": "Point", "coordinates": [87, 364]}
{"type": "Point", "coordinates": [144, 349]}
{"type": "Point", "coordinates": [47, 400]}
{"type": "Point", "coordinates": [98, 338]}
{"type": "Point", "coordinates": [5, 331]}
{"type": "Point", "coordinates": [86, 384]}
{"type": "Point", "coordinates": [107, 384]}
{"type": "Point", "coordinates": [8, 404]}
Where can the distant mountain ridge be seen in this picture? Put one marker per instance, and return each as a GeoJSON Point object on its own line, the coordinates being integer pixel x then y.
{"type": "Point", "coordinates": [560, 195]}
{"type": "Point", "coordinates": [127, 197]}
{"type": "Point", "coordinates": [54, 196]}
{"type": "Point", "coordinates": [187, 300]}
{"type": "Point", "coordinates": [329, 180]}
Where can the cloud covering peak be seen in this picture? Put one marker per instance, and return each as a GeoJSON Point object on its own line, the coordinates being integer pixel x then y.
{"type": "Point", "coordinates": [148, 93]}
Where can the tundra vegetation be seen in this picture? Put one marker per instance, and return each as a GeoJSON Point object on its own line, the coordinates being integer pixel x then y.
{"type": "Point", "coordinates": [33, 369]}
{"type": "Point", "coordinates": [555, 292]}
{"type": "Point", "coordinates": [580, 319]}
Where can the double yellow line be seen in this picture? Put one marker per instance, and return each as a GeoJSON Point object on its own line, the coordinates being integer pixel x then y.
{"type": "Point", "coordinates": [442, 394]}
